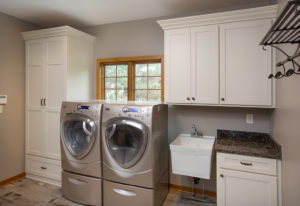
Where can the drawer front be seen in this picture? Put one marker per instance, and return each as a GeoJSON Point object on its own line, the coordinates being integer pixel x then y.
{"type": "Point", "coordinates": [82, 189]}
{"type": "Point", "coordinates": [115, 194]}
{"type": "Point", "coordinates": [43, 167]}
{"type": "Point", "coordinates": [247, 163]}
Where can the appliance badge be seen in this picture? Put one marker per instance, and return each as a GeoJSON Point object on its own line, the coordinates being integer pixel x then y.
{"type": "Point", "coordinates": [156, 115]}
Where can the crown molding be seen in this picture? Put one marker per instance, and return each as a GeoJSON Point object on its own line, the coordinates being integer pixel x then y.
{"type": "Point", "coordinates": [265, 12]}
{"type": "Point", "coordinates": [57, 31]}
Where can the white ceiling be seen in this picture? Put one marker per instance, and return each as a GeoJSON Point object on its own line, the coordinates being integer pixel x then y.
{"type": "Point", "coordinates": [77, 13]}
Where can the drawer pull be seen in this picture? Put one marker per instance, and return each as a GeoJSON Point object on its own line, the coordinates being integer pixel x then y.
{"type": "Point", "coordinates": [43, 168]}
{"type": "Point", "coordinates": [246, 163]}
{"type": "Point", "coordinates": [221, 175]}
{"type": "Point", "coordinates": [125, 192]}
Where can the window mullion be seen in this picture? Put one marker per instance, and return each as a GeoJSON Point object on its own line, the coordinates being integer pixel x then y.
{"type": "Point", "coordinates": [130, 82]}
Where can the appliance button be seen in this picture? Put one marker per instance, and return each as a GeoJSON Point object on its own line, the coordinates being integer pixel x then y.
{"type": "Point", "coordinates": [125, 109]}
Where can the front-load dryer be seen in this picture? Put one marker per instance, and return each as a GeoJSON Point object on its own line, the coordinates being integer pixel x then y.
{"type": "Point", "coordinates": [135, 154]}
{"type": "Point", "coordinates": [81, 152]}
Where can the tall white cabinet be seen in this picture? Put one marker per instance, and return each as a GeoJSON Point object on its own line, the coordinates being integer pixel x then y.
{"type": "Point", "coordinates": [58, 65]}
{"type": "Point", "coordinates": [216, 59]}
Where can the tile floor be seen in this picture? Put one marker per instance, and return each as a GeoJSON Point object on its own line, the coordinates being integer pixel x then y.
{"type": "Point", "coordinates": [28, 192]}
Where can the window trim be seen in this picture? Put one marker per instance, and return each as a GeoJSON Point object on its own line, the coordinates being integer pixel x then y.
{"type": "Point", "coordinates": [130, 61]}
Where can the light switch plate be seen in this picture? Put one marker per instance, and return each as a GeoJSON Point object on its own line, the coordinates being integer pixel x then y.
{"type": "Point", "coordinates": [3, 99]}
{"type": "Point", "coordinates": [249, 118]}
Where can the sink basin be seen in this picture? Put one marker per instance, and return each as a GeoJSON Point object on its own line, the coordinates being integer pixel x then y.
{"type": "Point", "coordinates": [192, 156]}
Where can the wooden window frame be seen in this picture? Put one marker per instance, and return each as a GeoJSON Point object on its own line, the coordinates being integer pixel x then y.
{"type": "Point", "coordinates": [130, 61]}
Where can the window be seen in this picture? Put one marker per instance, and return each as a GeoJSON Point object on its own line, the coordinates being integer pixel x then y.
{"type": "Point", "coordinates": [132, 79]}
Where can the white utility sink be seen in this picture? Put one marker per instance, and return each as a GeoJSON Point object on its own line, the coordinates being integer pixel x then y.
{"type": "Point", "coordinates": [192, 156]}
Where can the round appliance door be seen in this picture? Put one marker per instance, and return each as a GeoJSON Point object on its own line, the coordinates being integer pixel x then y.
{"type": "Point", "coordinates": [126, 141]}
{"type": "Point", "coordinates": [78, 133]}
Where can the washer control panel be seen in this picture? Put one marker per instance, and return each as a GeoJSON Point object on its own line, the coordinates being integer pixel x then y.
{"type": "Point", "coordinates": [90, 109]}
{"type": "Point", "coordinates": [83, 107]}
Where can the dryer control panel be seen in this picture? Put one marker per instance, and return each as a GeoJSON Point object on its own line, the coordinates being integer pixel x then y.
{"type": "Point", "coordinates": [143, 114]}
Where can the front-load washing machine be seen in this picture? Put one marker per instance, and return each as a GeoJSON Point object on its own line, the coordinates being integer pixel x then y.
{"type": "Point", "coordinates": [80, 152]}
{"type": "Point", "coordinates": [135, 154]}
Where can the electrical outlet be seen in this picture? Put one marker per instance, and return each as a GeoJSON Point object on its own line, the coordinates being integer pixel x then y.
{"type": "Point", "coordinates": [249, 118]}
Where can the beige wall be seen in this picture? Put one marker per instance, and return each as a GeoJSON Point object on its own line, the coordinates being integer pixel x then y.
{"type": "Point", "coordinates": [145, 37]}
{"type": "Point", "coordinates": [12, 76]}
{"type": "Point", "coordinates": [286, 130]}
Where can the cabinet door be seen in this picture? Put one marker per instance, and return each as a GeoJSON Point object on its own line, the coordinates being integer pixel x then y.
{"type": "Point", "coordinates": [177, 66]}
{"type": "Point", "coordinates": [204, 64]}
{"type": "Point", "coordinates": [244, 65]}
{"type": "Point", "coordinates": [35, 72]}
{"type": "Point", "coordinates": [235, 188]}
{"type": "Point", "coordinates": [55, 92]}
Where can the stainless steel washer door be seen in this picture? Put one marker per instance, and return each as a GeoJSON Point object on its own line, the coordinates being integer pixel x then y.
{"type": "Point", "coordinates": [78, 133]}
{"type": "Point", "coordinates": [126, 141]}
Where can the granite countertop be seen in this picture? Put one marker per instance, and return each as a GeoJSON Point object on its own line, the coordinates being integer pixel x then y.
{"type": "Point", "coordinates": [247, 143]}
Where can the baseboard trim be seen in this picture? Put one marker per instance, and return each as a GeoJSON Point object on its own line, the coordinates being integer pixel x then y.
{"type": "Point", "coordinates": [44, 179]}
{"type": "Point", "coordinates": [12, 179]}
{"type": "Point", "coordinates": [181, 188]}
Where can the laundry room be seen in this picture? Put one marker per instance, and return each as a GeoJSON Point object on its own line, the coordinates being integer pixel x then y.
{"type": "Point", "coordinates": [149, 103]}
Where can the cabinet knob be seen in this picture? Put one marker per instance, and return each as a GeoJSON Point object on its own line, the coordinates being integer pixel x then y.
{"type": "Point", "coordinates": [221, 175]}
{"type": "Point", "coordinates": [188, 98]}
{"type": "Point", "coordinates": [222, 99]}
{"type": "Point", "coordinates": [193, 98]}
{"type": "Point", "coordinates": [41, 102]}
{"type": "Point", "coordinates": [43, 168]}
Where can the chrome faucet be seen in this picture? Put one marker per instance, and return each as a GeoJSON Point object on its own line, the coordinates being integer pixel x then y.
{"type": "Point", "coordinates": [195, 132]}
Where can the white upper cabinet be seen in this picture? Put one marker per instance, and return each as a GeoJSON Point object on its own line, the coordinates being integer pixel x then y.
{"type": "Point", "coordinates": [204, 64]}
{"type": "Point", "coordinates": [244, 65]}
{"type": "Point", "coordinates": [216, 59]}
{"type": "Point", "coordinates": [178, 70]}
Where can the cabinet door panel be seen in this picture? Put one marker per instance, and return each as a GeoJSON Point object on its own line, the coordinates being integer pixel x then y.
{"type": "Point", "coordinates": [204, 63]}
{"type": "Point", "coordinates": [55, 50]}
{"type": "Point", "coordinates": [244, 65]}
{"type": "Point", "coordinates": [55, 86]}
{"type": "Point", "coordinates": [36, 138]}
{"type": "Point", "coordinates": [53, 135]}
{"type": "Point", "coordinates": [34, 73]}
{"type": "Point", "coordinates": [237, 188]}
{"type": "Point", "coordinates": [177, 72]}
{"type": "Point", "coordinates": [55, 77]}
{"type": "Point", "coordinates": [34, 86]}
{"type": "Point", "coordinates": [35, 53]}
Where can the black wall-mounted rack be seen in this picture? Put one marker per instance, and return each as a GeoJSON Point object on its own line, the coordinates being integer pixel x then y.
{"type": "Point", "coordinates": [286, 30]}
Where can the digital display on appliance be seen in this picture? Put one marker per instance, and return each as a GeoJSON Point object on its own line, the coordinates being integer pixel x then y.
{"type": "Point", "coordinates": [84, 107]}
{"type": "Point", "coordinates": [133, 110]}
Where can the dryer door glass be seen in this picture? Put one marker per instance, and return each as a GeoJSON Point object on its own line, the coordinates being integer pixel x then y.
{"type": "Point", "coordinates": [78, 134]}
{"type": "Point", "coordinates": [126, 141]}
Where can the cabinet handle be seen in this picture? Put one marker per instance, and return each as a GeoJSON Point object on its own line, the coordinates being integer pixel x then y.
{"type": "Point", "coordinates": [246, 163]}
{"type": "Point", "coordinates": [193, 98]}
{"type": "Point", "coordinates": [188, 98]}
{"type": "Point", "coordinates": [222, 99]}
{"type": "Point", "coordinates": [221, 175]}
{"type": "Point", "coordinates": [44, 102]}
{"type": "Point", "coordinates": [43, 168]}
{"type": "Point", "coordinates": [41, 102]}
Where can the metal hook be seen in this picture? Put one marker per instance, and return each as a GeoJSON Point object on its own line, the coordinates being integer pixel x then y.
{"type": "Point", "coordinates": [263, 47]}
